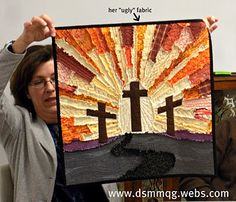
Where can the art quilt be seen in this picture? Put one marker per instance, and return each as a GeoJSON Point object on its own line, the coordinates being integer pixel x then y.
{"type": "Point", "coordinates": [134, 100]}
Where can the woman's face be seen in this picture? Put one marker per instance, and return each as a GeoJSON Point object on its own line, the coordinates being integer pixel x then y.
{"type": "Point", "coordinates": [41, 90]}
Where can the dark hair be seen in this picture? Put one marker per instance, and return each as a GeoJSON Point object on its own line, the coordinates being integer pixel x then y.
{"type": "Point", "coordinates": [22, 76]}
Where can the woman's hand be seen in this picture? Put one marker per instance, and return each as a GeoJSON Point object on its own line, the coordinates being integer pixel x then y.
{"type": "Point", "coordinates": [38, 29]}
{"type": "Point", "coordinates": [211, 23]}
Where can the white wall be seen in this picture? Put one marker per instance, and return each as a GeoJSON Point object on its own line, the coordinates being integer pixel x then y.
{"type": "Point", "coordinates": [77, 12]}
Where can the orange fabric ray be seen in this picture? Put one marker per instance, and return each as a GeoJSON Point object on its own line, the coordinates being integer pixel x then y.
{"type": "Point", "coordinates": [140, 45]}
{"type": "Point", "coordinates": [98, 40]}
{"type": "Point", "coordinates": [83, 39]}
{"type": "Point", "coordinates": [128, 56]}
{"type": "Point", "coordinates": [71, 132]}
{"type": "Point", "coordinates": [201, 40]}
{"type": "Point", "coordinates": [193, 65]}
{"type": "Point", "coordinates": [200, 90]}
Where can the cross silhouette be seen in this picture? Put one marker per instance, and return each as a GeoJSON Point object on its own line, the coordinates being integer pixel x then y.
{"type": "Point", "coordinates": [169, 109]}
{"type": "Point", "coordinates": [102, 116]}
{"type": "Point", "coordinates": [134, 94]}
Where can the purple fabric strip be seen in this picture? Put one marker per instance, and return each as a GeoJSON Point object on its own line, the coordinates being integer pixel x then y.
{"type": "Point", "coordinates": [179, 135]}
{"type": "Point", "coordinates": [80, 146]}
{"type": "Point", "coordinates": [186, 135]}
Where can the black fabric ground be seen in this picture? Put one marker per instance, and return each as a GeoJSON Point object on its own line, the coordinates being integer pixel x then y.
{"type": "Point", "coordinates": [154, 164]}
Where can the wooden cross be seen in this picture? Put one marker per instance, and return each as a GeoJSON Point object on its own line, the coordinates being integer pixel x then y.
{"type": "Point", "coordinates": [169, 109]}
{"type": "Point", "coordinates": [134, 94]}
{"type": "Point", "coordinates": [102, 116]}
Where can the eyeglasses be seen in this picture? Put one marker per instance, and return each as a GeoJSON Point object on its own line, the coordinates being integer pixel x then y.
{"type": "Point", "coordinates": [41, 83]}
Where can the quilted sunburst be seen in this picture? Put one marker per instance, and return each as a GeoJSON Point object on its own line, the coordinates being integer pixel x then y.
{"type": "Point", "coordinates": [150, 78]}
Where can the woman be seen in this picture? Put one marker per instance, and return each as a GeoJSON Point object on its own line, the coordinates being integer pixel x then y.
{"type": "Point", "coordinates": [29, 131]}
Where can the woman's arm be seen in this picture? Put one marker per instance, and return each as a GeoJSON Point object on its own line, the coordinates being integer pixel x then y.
{"type": "Point", "coordinates": [38, 29]}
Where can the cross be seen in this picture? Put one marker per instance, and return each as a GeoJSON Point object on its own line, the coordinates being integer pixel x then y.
{"type": "Point", "coordinates": [102, 116]}
{"type": "Point", "coordinates": [169, 109]}
{"type": "Point", "coordinates": [134, 94]}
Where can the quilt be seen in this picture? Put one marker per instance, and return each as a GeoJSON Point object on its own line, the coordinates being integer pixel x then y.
{"type": "Point", "coordinates": [135, 100]}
